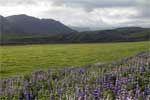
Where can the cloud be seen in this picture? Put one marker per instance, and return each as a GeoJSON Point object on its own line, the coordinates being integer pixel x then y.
{"type": "Point", "coordinates": [75, 17]}
{"type": "Point", "coordinates": [17, 2]}
{"type": "Point", "coordinates": [143, 9]}
{"type": "Point", "coordinates": [86, 13]}
{"type": "Point", "coordinates": [90, 5]}
{"type": "Point", "coordinates": [140, 23]}
{"type": "Point", "coordinates": [98, 18]}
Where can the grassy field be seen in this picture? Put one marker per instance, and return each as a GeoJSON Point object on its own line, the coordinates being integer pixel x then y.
{"type": "Point", "coordinates": [16, 60]}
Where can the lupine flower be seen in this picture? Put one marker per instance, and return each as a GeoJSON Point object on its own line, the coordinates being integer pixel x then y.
{"type": "Point", "coordinates": [142, 69]}
{"type": "Point", "coordinates": [127, 80]}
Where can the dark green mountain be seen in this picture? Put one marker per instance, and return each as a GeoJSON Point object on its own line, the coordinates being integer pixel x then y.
{"type": "Point", "coordinates": [115, 35]}
{"type": "Point", "coordinates": [27, 24]}
{"type": "Point", "coordinates": [22, 29]}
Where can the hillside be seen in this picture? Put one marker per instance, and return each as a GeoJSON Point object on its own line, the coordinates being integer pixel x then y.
{"type": "Point", "coordinates": [26, 24]}
{"type": "Point", "coordinates": [23, 29]}
{"type": "Point", "coordinates": [114, 35]}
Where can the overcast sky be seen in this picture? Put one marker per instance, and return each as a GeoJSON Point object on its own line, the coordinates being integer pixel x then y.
{"type": "Point", "coordinates": [85, 13]}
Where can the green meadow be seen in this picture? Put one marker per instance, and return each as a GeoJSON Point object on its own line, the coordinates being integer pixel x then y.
{"type": "Point", "coordinates": [17, 60]}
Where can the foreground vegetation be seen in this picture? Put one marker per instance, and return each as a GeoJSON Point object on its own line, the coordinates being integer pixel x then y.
{"type": "Point", "coordinates": [125, 80]}
{"type": "Point", "coordinates": [16, 60]}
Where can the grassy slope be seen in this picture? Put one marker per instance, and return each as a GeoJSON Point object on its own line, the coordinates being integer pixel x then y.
{"type": "Point", "coordinates": [123, 34]}
{"type": "Point", "coordinates": [23, 59]}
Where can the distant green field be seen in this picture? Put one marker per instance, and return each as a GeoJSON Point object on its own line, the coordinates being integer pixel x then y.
{"type": "Point", "coordinates": [16, 60]}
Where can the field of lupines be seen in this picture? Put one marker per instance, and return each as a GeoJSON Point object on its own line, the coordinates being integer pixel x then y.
{"type": "Point", "coordinates": [128, 79]}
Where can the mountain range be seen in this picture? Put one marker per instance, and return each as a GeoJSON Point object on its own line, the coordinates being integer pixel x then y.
{"type": "Point", "coordinates": [28, 24]}
{"type": "Point", "coordinates": [23, 29]}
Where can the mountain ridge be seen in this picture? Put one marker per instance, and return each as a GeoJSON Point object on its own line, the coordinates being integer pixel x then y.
{"type": "Point", "coordinates": [40, 35]}
{"type": "Point", "coordinates": [79, 37]}
{"type": "Point", "coordinates": [27, 24]}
